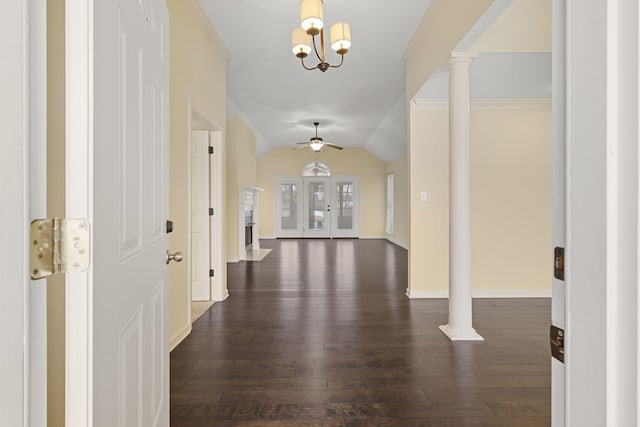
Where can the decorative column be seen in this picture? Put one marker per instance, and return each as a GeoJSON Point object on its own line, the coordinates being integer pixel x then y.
{"type": "Point", "coordinates": [460, 311]}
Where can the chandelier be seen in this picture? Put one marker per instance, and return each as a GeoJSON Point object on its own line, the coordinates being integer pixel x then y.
{"type": "Point", "coordinates": [312, 25]}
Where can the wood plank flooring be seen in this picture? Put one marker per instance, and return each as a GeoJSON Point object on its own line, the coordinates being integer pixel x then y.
{"type": "Point", "coordinates": [320, 333]}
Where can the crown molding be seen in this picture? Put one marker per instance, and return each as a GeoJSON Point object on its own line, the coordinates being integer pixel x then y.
{"type": "Point", "coordinates": [486, 104]}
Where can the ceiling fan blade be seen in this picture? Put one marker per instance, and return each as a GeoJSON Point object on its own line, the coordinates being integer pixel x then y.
{"type": "Point", "coordinates": [337, 147]}
{"type": "Point", "coordinates": [300, 147]}
{"type": "Point", "coordinates": [306, 142]}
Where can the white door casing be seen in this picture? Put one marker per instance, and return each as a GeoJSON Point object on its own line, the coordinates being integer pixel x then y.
{"type": "Point", "coordinates": [23, 187]}
{"type": "Point", "coordinates": [117, 177]}
{"type": "Point", "coordinates": [558, 300]}
{"type": "Point", "coordinates": [200, 218]}
{"type": "Point", "coordinates": [602, 329]}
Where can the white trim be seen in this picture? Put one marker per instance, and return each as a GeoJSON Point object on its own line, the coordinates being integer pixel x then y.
{"type": "Point", "coordinates": [79, 61]}
{"type": "Point", "coordinates": [267, 237]}
{"type": "Point", "coordinates": [233, 261]}
{"type": "Point", "coordinates": [179, 336]}
{"type": "Point", "coordinates": [373, 237]}
{"type": "Point", "coordinates": [397, 243]}
{"type": "Point", "coordinates": [486, 104]}
{"type": "Point", "coordinates": [427, 294]}
{"type": "Point", "coordinates": [485, 293]}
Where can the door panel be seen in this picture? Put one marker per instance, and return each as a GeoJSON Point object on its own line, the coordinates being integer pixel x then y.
{"type": "Point", "coordinates": [120, 374]}
{"type": "Point", "coordinates": [288, 205]}
{"type": "Point", "coordinates": [317, 207]}
{"type": "Point", "coordinates": [345, 207]}
{"type": "Point", "coordinates": [200, 230]}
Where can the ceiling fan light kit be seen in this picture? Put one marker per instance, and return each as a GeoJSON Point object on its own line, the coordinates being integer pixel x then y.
{"type": "Point", "coordinates": [316, 143]}
{"type": "Point", "coordinates": [312, 25]}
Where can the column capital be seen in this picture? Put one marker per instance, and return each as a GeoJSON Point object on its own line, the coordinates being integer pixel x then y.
{"type": "Point", "coordinates": [461, 58]}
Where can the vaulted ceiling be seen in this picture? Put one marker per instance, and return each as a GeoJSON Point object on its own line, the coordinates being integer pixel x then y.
{"type": "Point", "coordinates": [363, 103]}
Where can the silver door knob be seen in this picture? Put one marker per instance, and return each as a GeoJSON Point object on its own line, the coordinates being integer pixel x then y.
{"type": "Point", "coordinates": [177, 257]}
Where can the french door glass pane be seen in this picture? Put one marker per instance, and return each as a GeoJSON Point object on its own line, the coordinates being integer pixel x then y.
{"type": "Point", "coordinates": [288, 207]}
{"type": "Point", "coordinates": [345, 205]}
{"type": "Point", "coordinates": [317, 205]}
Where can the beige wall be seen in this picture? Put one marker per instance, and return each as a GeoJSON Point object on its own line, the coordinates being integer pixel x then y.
{"type": "Point", "coordinates": [350, 161]}
{"type": "Point", "coordinates": [241, 172]}
{"type": "Point", "coordinates": [443, 26]}
{"type": "Point", "coordinates": [510, 200]}
{"type": "Point", "coordinates": [525, 26]}
{"type": "Point", "coordinates": [55, 207]}
{"type": "Point", "coordinates": [399, 167]}
{"type": "Point", "coordinates": [197, 82]}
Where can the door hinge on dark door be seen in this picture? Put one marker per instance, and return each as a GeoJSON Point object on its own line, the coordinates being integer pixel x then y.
{"type": "Point", "coordinates": [556, 339]}
{"type": "Point", "coordinates": [211, 273]}
{"type": "Point", "coordinates": [558, 263]}
{"type": "Point", "coordinates": [210, 150]}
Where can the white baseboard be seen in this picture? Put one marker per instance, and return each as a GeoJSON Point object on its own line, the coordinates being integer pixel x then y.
{"type": "Point", "coordinates": [427, 294]}
{"type": "Point", "coordinates": [233, 260]}
{"type": "Point", "coordinates": [372, 237]}
{"type": "Point", "coordinates": [395, 242]}
{"type": "Point", "coordinates": [484, 293]}
{"type": "Point", "coordinates": [267, 237]}
{"type": "Point", "coordinates": [179, 336]}
{"type": "Point", "coordinates": [511, 293]}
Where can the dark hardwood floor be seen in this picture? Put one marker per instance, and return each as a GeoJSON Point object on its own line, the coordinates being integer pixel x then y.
{"type": "Point", "coordinates": [320, 333]}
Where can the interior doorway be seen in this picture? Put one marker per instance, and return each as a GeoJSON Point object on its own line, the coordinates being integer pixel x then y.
{"type": "Point", "coordinates": [205, 223]}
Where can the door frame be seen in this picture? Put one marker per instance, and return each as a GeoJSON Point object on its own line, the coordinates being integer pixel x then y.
{"type": "Point", "coordinates": [217, 195]}
{"type": "Point", "coordinates": [558, 287]}
{"type": "Point", "coordinates": [602, 341]}
{"type": "Point", "coordinates": [23, 398]}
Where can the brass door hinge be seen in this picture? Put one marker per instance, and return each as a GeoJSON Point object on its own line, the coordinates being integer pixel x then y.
{"type": "Point", "coordinates": [556, 338]}
{"type": "Point", "coordinates": [59, 246]}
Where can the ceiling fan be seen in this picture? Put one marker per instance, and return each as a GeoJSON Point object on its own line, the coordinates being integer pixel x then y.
{"type": "Point", "coordinates": [316, 143]}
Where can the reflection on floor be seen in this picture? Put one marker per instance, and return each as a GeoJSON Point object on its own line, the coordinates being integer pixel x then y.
{"type": "Point", "coordinates": [258, 254]}
{"type": "Point", "coordinates": [198, 308]}
{"type": "Point", "coordinates": [321, 333]}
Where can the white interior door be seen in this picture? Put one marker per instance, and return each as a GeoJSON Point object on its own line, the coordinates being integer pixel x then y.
{"type": "Point", "coordinates": [117, 177]}
{"type": "Point", "coordinates": [200, 218]}
{"type": "Point", "coordinates": [23, 315]}
{"type": "Point", "coordinates": [288, 205]}
{"type": "Point", "coordinates": [316, 220]}
{"type": "Point", "coordinates": [345, 211]}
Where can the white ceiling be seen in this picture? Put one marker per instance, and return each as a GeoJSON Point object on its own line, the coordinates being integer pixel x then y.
{"type": "Point", "coordinates": [363, 103]}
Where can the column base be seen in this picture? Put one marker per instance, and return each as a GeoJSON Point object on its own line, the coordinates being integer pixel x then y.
{"type": "Point", "coordinates": [469, 334]}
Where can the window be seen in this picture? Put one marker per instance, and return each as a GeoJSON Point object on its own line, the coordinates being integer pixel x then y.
{"type": "Point", "coordinates": [390, 229]}
{"type": "Point", "coordinates": [316, 169]}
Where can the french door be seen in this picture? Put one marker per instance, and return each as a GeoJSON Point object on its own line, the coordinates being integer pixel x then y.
{"type": "Point", "coordinates": [317, 207]}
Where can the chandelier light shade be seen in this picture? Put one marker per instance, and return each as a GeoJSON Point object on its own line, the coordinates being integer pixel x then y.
{"type": "Point", "coordinates": [340, 37]}
{"type": "Point", "coordinates": [304, 39]}
{"type": "Point", "coordinates": [300, 43]}
{"type": "Point", "coordinates": [311, 19]}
